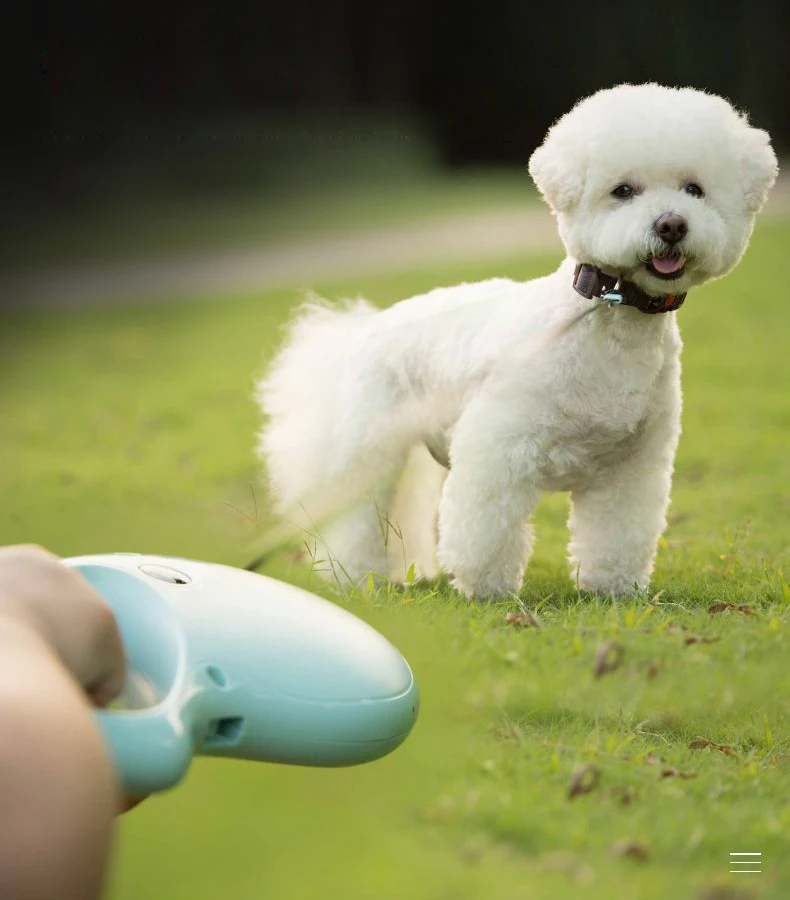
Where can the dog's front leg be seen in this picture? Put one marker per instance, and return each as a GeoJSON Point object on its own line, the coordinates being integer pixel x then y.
{"type": "Point", "coordinates": [484, 539]}
{"type": "Point", "coordinates": [615, 524]}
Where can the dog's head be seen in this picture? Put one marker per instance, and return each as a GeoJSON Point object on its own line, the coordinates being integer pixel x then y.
{"type": "Point", "coordinates": [657, 185]}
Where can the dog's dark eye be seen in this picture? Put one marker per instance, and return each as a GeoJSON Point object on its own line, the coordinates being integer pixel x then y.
{"type": "Point", "coordinates": [693, 189]}
{"type": "Point", "coordinates": [623, 192]}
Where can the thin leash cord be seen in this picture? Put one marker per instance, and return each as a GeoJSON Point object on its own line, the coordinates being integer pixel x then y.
{"type": "Point", "coordinates": [326, 503]}
{"type": "Point", "coordinates": [552, 335]}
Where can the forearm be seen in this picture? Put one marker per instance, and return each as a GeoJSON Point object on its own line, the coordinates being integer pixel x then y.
{"type": "Point", "coordinates": [57, 791]}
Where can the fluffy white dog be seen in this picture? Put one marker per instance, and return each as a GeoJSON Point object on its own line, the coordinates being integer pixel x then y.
{"type": "Point", "coordinates": [655, 191]}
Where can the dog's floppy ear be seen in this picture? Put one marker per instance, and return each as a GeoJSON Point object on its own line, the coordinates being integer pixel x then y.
{"type": "Point", "coordinates": [557, 171]}
{"type": "Point", "coordinates": [758, 165]}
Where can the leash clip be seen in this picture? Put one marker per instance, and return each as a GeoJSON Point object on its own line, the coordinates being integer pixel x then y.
{"type": "Point", "coordinates": [613, 297]}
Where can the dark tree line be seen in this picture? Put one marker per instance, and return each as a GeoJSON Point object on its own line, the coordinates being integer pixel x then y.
{"type": "Point", "coordinates": [489, 77]}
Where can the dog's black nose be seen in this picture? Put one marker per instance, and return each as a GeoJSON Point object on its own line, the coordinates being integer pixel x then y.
{"type": "Point", "coordinates": [671, 227]}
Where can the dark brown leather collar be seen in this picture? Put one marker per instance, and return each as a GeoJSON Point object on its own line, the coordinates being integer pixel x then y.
{"type": "Point", "coordinates": [590, 282]}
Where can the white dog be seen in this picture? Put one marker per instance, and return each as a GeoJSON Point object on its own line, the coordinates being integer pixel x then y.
{"type": "Point", "coordinates": [655, 191]}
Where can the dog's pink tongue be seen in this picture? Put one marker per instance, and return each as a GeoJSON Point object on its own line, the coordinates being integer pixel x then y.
{"type": "Point", "coordinates": [666, 265]}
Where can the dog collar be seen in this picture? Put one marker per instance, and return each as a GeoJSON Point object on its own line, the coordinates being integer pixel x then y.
{"type": "Point", "coordinates": [591, 282]}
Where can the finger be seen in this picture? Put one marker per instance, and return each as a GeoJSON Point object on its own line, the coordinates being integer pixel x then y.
{"type": "Point", "coordinates": [95, 655]}
{"type": "Point", "coordinates": [106, 675]}
{"type": "Point", "coordinates": [104, 692]}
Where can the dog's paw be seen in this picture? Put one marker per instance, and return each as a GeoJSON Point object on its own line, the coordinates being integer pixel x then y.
{"type": "Point", "coordinates": [491, 588]}
{"type": "Point", "coordinates": [608, 585]}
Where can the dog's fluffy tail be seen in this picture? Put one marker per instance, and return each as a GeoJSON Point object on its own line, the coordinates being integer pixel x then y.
{"type": "Point", "coordinates": [299, 395]}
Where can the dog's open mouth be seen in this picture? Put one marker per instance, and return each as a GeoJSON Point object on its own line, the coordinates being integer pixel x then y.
{"type": "Point", "coordinates": [666, 267]}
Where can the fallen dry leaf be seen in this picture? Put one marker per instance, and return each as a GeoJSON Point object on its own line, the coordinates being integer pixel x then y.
{"type": "Point", "coordinates": [632, 849]}
{"type": "Point", "coordinates": [672, 772]}
{"type": "Point", "coordinates": [724, 607]}
{"type": "Point", "coordinates": [699, 639]}
{"type": "Point", "coordinates": [650, 668]}
{"type": "Point", "coordinates": [653, 668]}
{"type": "Point", "coordinates": [626, 795]}
{"type": "Point", "coordinates": [522, 620]}
{"type": "Point", "coordinates": [709, 745]}
{"type": "Point", "coordinates": [608, 657]}
{"type": "Point", "coordinates": [585, 779]}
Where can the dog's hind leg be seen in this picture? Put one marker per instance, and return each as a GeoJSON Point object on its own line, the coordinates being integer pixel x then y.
{"type": "Point", "coordinates": [414, 517]}
{"type": "Point", "coordinates": [356, 540]}
{"type": "Point", "coordinates": [354, 545]}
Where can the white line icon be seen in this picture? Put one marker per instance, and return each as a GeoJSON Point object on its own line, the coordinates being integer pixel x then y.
{"type": "Point", "coordinates": [745, 863]}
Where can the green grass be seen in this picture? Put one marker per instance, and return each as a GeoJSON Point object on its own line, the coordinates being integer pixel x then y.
{"type": "Point", "coordinates": [134, 429]}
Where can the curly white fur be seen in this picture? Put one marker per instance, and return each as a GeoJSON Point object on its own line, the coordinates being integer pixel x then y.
{"type": "Point", "coordinates": [595, 412]}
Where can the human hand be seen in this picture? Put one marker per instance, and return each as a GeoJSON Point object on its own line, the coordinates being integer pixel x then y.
{"type": "Point", "coordinates": [74, 620]}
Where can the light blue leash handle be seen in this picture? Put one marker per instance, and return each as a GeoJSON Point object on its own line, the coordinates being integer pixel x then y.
{"type": "Point", "coordinates": [241, 665]}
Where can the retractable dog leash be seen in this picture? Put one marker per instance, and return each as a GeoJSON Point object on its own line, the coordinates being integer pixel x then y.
{"type": "Point", "coordinates": [228, 663]}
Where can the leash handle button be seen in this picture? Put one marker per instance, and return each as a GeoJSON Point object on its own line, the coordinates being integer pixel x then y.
{"type": "Point", "coordinates": [165, 573]}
